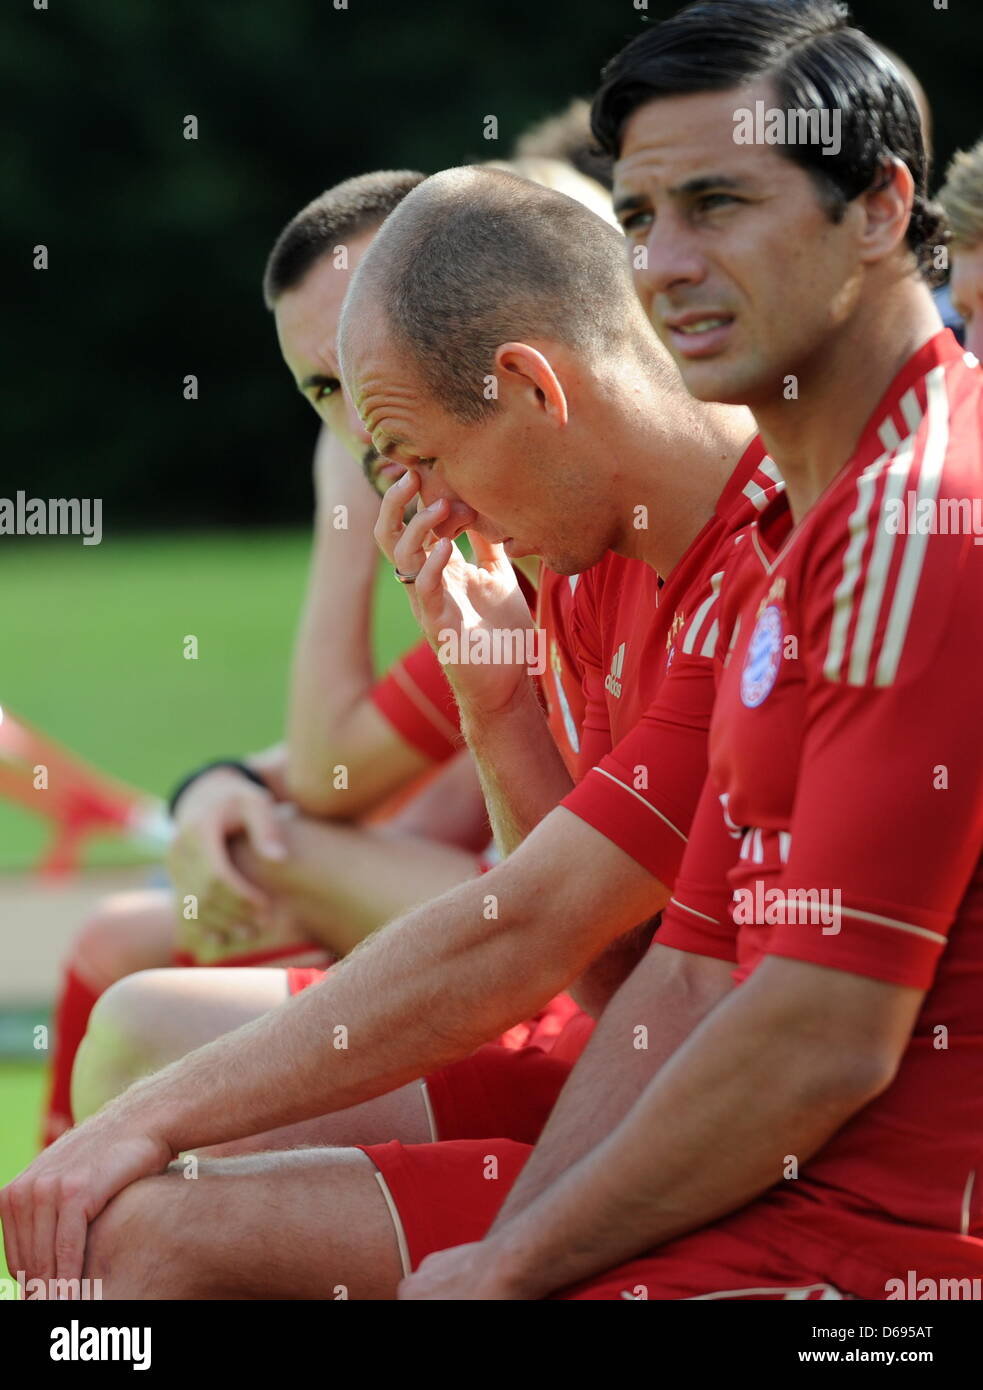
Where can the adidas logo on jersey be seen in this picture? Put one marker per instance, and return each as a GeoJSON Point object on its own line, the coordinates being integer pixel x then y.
{"type": "Point", "coordinates": [612, 682]}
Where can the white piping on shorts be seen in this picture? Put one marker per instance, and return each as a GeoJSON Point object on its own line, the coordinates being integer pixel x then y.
{"type": "Point", "coordinates": [428, 1107]}
{"type": "Point", "coordinates": [404, 1249]}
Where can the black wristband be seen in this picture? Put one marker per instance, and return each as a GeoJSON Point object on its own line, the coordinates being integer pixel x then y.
{"type": "Point", "coordinates": [182, 787]}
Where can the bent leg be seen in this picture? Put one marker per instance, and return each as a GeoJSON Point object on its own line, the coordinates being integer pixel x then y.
{"type": "Point", "coordinates": [308, 1224]}
{"type": "Point", "coordinates": [125, 932]}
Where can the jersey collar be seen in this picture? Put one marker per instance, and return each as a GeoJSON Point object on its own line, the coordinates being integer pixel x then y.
{"type": "Point", "coordinates": [773, 529]}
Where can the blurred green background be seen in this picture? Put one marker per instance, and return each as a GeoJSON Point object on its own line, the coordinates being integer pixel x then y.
{"type": "Point", "coordinates": [99, 636]}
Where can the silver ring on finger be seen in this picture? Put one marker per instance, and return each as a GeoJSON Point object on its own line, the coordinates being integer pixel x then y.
{"type": "Point", "coordinates": [404, 578]}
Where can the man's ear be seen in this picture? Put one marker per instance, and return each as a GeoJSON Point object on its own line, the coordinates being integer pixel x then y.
{"type": "Point", "coordinates": [887, 210]}
{"type": "Point", "coordinates": [519, 366]}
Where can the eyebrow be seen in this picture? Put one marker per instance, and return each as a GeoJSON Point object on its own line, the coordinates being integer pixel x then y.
{"type": "Point", "coordinates": [628, 203]}
{"type": "Point", "coordinates": [386, 442]}
{"type": "Point", "coordinates": [689, 189]}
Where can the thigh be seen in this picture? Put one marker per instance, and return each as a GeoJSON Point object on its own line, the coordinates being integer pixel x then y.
{"type": "Point", "coordinates": [312, 1224]}
{"type": "Point", "coordinates": [171, 1012]}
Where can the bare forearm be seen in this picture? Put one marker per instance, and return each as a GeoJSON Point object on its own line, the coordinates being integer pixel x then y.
{"type": "Point", "coordinates": [313, 883]}
{"type": "Point", "coordinates": [449, 809]}
{"type": "Point", "coordinates": [332, 668]}
{"type": "Point", "coordinates": [655, 1176]}
{"type": "Point", "coordinates": [601, 981]}
{"type": "Point", "coordinates": [421, 993]}
{"type": "Point", "coordinates": [522, 774]}
{"type": "Point", "coordinates": [654, 1012]}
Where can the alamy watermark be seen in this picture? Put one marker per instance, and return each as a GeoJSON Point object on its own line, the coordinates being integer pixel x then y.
{"type": "Point", "coordinates": [497, 646]}
{"type": "Point", "coordinates": [912, 515]}
{"type": "Point", "coordinates": [773, 125]}
{"type": "Point", "coordinates": [775, 907]}
{"type": "Point", "coordinates": [57, 516]}
{"type": "Point", "coordinates": [44, 1289]}
{"type": "Point", "coordinates": [912, 1288]}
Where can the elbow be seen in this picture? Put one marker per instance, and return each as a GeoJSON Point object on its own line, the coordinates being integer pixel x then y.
{"type": "Point", "coordinates": [869, 1072]}
{"type": "Point", "coordinates": [848, 1077]}
{"type": "Point", "coordinates": [317, 793]}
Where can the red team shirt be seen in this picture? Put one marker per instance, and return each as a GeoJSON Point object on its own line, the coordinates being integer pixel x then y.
{"type": "Point", "coordinates": [646, 649]}
{"type": "Point", "coordinates": [415, 697]}
{"type": "Point", "coordinates": [560, 684]}
{"type": "Point", "coordinates": [847, 764]}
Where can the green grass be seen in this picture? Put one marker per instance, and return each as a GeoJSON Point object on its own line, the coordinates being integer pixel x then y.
{"type": "Point", "coordinates": [93, 655]}
{"type": "Point", "coordinates": [21, 1088]}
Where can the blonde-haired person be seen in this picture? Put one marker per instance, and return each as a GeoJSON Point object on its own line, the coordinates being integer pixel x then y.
{"type": "Point", "coordinates": [562, 178]}
{"type": "Point", "coordinates": [962, 199]}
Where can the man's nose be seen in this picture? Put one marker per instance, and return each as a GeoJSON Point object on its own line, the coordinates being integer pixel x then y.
{"type": "Point", "coordinates": [668, 259]}
{"type": "Point", "coordinates": [459, 515]}
{"type": "Point", "coordinates": [431, 488]}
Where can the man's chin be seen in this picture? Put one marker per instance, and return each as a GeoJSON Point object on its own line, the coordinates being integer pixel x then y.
{"type": "Point", "coordinates": [715, 381]}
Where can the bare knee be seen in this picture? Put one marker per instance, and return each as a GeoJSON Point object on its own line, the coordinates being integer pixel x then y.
{"type": "Point", "coordinates": [122, 1042]}
{"type": "Point", "coordinates": [146, 1021]}
{"type": "Point", "coordinates": [124, 933]}
{"type": "Point", "coordinates": [140, 1247]}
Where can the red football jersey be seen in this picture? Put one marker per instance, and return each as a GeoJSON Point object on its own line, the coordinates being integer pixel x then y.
{"type": "Point", "coordinates": [646, 650]}
{"type": "Point", "coordinates": [847, 756]}
{"type": "Point", "coordinates": [560, 683]}
{"type": "Point", "coordinates": [416, 698]}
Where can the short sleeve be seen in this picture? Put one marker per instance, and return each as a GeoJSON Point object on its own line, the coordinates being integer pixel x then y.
{"type": "Point", "coordinates": [417, 700]}
{"type": "Point", "coordinates": [888, 815]}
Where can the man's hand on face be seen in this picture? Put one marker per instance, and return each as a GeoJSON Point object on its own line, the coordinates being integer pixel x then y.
{"type": "Point", "coordinates": [466, 609]}
{"type": "Point", "coordinates": [47, 1210]}
{"type": "Point", "coordinates": [219, 910]}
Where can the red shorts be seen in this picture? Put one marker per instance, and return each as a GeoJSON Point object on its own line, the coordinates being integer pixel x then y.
{"type": "Point", "coordinates": [442, 1195]}
{"type": "Point", "coordinates": [547, 1027]}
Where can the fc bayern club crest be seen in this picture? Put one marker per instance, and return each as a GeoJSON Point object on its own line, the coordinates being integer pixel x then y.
{"type": "Point", "coordinates": [764, 656]}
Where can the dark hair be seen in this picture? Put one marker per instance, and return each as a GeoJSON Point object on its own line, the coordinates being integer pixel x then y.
{"type": "Point", "coordinates": [335, 216]}
{"type": "Point", "coordinates": [477, 257]}
{"type": "Point", "coordinates": [816, 60]}
{"type": "Point", "coordinates": [567, 136]}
